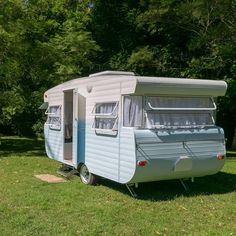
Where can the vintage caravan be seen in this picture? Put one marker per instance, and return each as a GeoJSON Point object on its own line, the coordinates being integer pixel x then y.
{"type": "Point", "coordinates": [133, 129]}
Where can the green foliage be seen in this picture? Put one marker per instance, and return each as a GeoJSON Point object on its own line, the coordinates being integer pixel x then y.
{"type": "Point", "coordinates": [171, 38]}
{"type": "Point", "coordinates": [44, 43]}
{"type": "Point", "coordinates": [142, 57]}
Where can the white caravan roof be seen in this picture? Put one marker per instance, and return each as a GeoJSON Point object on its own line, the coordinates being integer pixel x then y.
{"type": "Point", "coordinates": [128, 83]}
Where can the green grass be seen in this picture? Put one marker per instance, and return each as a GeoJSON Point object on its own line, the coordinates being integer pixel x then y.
{"type": "Point", "coordinates": [29, 206]}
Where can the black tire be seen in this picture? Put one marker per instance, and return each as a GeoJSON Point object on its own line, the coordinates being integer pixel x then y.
{"type": "Point", "coordinates": [85, 176]}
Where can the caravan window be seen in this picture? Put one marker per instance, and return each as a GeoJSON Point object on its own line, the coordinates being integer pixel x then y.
{"type": "Point", "coordinates": [179, 102]}
{"type": "Point", "coordinates": [151, 112]}
{"type": "Point", "coordinates": [54, 117]}
{"type": "Point", "coordinates": [179, 111]}
{"type": "Point", "coordinates": [133, 111]}
{"type": "Point", "coordinates": [106, 116]}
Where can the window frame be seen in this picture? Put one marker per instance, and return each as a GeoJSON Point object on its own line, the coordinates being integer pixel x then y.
{"type": "Point", "coordinates": [193, 110]}
{"type": "Point", "coordinates": [54, 126]}
{"type": "Point", "coordinates": [142, 116]}
{"type": "Point", "coordinates": [184, 110]}
{"type": "Point", "coordinates": [150, 107]}
{"type": "Point", "coordinates": [109, 115]}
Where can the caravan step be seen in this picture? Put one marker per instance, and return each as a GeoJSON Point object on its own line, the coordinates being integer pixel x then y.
{"type": "Point", "coordinates": [67, 171]}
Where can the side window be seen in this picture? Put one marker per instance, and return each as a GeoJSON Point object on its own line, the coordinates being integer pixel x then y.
{"type": "Point", "coordinates": [54, 117]}
{"type": "Point", "coordinates": [106, 116]}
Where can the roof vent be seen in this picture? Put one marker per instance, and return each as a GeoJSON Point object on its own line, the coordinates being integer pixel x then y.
{"type": "Point", "coordinates": [111, 73]}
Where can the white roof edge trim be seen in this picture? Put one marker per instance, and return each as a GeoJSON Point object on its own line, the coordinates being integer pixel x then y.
{"type": "Point", "coordinates": [112, 73]}
{"type": "Point", "coordinates": [167, 80]}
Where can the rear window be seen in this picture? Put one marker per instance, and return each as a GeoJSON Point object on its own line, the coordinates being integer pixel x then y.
{"type": "Point", "coordinates": [160, 111]}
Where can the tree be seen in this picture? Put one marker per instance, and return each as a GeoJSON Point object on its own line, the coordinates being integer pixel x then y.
{"type": "Point", "coordinates": [43, 43]}
{"type": "Point", "coordinates": [171, 38]}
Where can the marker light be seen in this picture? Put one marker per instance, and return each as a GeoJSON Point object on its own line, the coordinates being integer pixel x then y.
{"type": "Point", "coordinates": [220, 157]}
{"type": "Point", "coordinates": [142, 163]}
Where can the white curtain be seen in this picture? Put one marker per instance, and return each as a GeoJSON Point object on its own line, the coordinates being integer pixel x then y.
{"type": "Point", "coordinates": [132, 111]}
{"type": "Point", "coordinates": [106, 108]}
{"type": "Point", "coordinates": [54, 117]}
{"type": "Point", "coordinates": [55, 110]}
{"type": "Point", "coordinates": [106, 122]}
{"type": "Point", "coordinates": [178, 118]}
{"type": "Point", "coordinates": [180, 102]}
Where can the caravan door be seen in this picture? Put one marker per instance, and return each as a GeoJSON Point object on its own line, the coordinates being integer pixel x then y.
{"type": "Point", "coordinates": [74, 127]}
{"type": "Point", "coordinates": [68, 127]}
{"type": "Point", "coordinates": [79, 128]}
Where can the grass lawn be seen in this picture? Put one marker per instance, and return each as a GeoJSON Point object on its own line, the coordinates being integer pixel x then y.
{"type": "Point", "coordinates": [29, 206]}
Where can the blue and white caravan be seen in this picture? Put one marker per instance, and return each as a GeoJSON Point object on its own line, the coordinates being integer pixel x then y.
{"type": "Point", "coordinates": [133, 129]}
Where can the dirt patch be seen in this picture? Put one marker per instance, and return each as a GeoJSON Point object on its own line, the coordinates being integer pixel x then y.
{"type": "Point", "coordinates": [50, 178]}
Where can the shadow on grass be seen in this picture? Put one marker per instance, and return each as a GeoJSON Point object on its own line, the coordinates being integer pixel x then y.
{"type": "Point", "coordinates": [220, 183]}
{"type": "Point", "coordinates": [167, 190]}
{"type": "Point", "coordinates": [10, 146]}
{"type": "Point", "coordinates": [231, 154]}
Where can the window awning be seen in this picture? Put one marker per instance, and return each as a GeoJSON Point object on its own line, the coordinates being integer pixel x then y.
{"type": "Point", "coordinates": [44, 106]}
{"type": "Point", "coordinates": [179, 86]}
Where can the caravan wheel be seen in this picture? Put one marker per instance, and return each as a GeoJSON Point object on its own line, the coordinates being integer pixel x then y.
{"type": "Point", "coordinates": [85, 176]}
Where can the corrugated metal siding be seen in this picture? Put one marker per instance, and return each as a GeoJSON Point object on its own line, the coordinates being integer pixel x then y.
{"type": "Point", "coordinates": [103, 83]}
{"type": "Point", "coordinates": [101, 154]}
{"type": "Point", "coordinates": [162, 156]}
{"type": "Point", "coordinates": [172, 150]}
{"type": "Point", "coordinates": [160, 150]}
{"type": "Point", "coordinates": [205, 148]}
{"type": "Point", "coordinates": [102, 151]}
{"type": "Point", "coordinates": [53, 143]}
{"type": "Point", "coordinates": [127, 161]}
{"type": "Point", "coordinates": [175, 135]}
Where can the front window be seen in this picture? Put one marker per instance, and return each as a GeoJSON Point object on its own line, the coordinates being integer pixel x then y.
{"type": "Point", "coordinates": [54, 117]}
{"type": "Point", "coordinates": [156, 112]}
